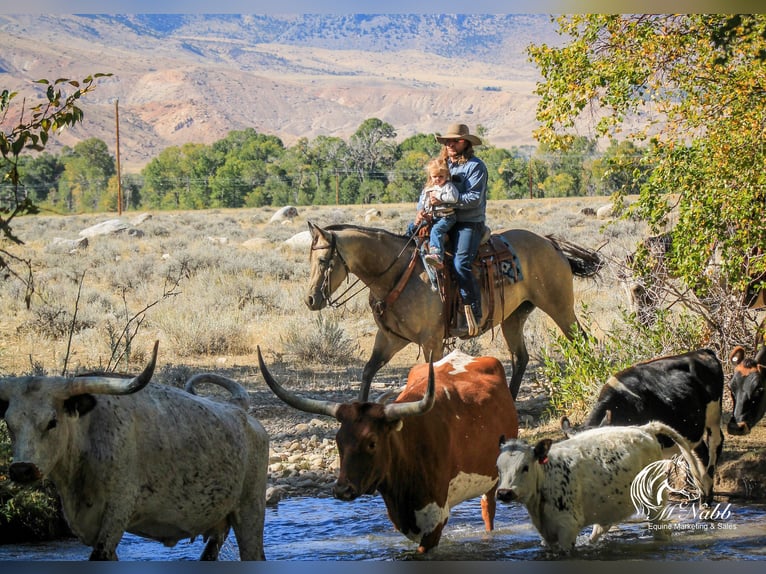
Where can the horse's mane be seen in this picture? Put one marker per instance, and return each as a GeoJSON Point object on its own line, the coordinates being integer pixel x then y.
{"type": "Point", "coordinates": [351, 226]}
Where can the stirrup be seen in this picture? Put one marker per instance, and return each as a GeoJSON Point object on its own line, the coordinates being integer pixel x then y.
{"type": "Point", "coordinates": [473, 328]}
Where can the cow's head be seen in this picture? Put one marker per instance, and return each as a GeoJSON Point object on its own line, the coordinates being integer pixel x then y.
{"type": "Point", "coordinates": [365, 436]}
{"type": "Point", "coordinates": [519, 467]}
{"type": "Point", "coordinates": [42, 412]}
{"type": "Point", "coordinates": [748, 390]}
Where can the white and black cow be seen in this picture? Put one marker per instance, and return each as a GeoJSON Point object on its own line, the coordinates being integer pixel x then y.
{"type": "Point", "coordinates": [748, 389]}
{"type": "Point", "coordinates": [568, 485]}
{"type": "Point", "coordinates": [153, 460]}
{"type": "Point", "coordinates": [682, 391]}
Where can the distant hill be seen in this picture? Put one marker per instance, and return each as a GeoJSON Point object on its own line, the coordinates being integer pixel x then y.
{"type": "Point", "coordinates": [193, 78]}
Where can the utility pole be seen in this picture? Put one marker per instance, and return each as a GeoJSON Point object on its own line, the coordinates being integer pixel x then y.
{"type": "Point", "coordinates": [529, 177]}
{"type": "Point", "coordinates": [119, 175]}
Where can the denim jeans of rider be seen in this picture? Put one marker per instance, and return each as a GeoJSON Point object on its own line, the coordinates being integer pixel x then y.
{"type": "Point", "coordinates": [467, 237]}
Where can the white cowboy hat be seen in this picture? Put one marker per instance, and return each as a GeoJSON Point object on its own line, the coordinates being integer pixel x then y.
{"type": "Point", "coordinates": [458, 132]}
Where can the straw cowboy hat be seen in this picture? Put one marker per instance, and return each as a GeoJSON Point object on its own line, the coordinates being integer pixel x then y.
{"type": "Point", "coordinates": [458, 132]}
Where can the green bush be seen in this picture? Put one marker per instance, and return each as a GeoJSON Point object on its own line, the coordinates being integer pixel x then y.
{"type": "Point", "coordinates": [26, 512]}
{"type": "Point", "coordinates": [327, 343]}
{"type": "Point", "coordinates": [573, 372]}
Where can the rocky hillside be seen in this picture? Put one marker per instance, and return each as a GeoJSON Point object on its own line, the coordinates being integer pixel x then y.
{"type": "Point", "coordinates": [193, 78]}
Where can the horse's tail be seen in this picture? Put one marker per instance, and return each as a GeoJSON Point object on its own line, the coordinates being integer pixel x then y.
{"type": "Point", "coordinates": [583, 262]}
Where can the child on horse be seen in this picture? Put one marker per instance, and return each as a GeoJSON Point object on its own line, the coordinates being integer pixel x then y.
{"type": "Point", "coordinates": [440, 215]}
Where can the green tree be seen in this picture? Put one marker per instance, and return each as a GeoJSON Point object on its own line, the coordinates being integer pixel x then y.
{"type": "Point", "coordinates": [623, 169]}
{"type": "Point", "coordinates": [39, 175]}
{"type": "Point", "coordinates": [571, 160]}
{"type": "Point", "coordinates": [370, 148]}
{"type": "Point", "coordinates": [694, 86]}
{"type": "Point", "coordinates": [180, 177]}
{"type": "Point", "coordinates": [87, 171]}
{"type": "Point", "coordinates": [328, 156]}
{"type": "Point", "coordinates": [29, 129]}
{"type": "Point", "coordinates": [408, 178]}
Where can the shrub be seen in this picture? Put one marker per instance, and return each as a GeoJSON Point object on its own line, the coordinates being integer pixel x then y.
{"type": "Point", "coordinates": [26, 513]}
{"type": "Point", "coordinates": [326, 344]}
{"type": "Point", "coordinates": [573, 372]}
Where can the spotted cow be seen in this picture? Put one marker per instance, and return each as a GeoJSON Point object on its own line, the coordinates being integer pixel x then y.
{"type": "Point", "coordinates": [430, 449]}
{"type": "Point", "coordinates": [583, 480]}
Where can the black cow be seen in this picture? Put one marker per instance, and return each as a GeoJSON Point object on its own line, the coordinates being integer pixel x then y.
{"type": "Point", "coordinates": [682, 391]}
{"type": "Point", "coordinates": [748, 389]}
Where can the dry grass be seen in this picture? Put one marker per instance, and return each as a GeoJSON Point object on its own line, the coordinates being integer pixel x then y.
{"type": "Point", "coordinates": [191, 282]}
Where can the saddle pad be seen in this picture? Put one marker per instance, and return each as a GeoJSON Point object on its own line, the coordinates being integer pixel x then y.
{"type": "Point", "coordinates": [500, 252]}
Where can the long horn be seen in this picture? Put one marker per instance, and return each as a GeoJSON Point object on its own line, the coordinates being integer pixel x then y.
{"type": "Point", "coordinates": [103, 385]}
{"type": "Point", "coordinates": [306, 404]}
{"type": "Point", "coordinates": [396, 411]}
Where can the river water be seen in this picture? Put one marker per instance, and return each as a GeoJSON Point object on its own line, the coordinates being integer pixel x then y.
{"type": "Point", "coordinates": [325, 529]}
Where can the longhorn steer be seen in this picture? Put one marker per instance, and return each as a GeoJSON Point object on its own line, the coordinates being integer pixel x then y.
{"type": "Point", "coordinates": [748, 388]}
{"type": "Point", "coordinates": [149, 459]}
{"type": "Point", "coordinates": [682, 391]}
{"type": "Point", "coordinates": [582, 480]}
{"type": "Point", "coordinates": [432, 448]}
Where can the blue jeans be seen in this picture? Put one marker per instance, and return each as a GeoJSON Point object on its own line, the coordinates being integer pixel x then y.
{"type": "Point", "coordinates": [466, 238]}
{"type": "Point", "coordinates": [439, 230]}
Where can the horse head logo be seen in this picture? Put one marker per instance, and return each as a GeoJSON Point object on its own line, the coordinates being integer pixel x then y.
{"type": "Point", "coordinates": [658, 482]}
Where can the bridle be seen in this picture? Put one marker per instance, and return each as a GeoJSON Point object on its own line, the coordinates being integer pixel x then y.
{"type": "Point", "coordinates": [329, 265]}
{"type": "Point", "coordinates": [327, 273]}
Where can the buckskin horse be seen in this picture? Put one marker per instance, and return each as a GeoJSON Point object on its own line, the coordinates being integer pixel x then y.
{"type": "Point", "coordinates": [407, 309]}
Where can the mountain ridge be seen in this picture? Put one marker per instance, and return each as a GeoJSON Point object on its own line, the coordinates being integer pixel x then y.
{"type": "Point", "coordinates": [194, 78]}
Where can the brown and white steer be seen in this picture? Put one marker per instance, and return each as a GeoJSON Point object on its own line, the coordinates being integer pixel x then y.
{"type": "Point", "coordinates": [432, 448]}
{"type": "Point", "coordinates": [683, 391]}
{"type": "Point", "coordinates": [748, 387]}
{"type": "Point", "coordinates": [153, 460]}
{"type": "Point", "coordinates": [568, 485]}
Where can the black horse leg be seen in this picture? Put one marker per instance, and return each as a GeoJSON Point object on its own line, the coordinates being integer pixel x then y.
{"type": "Point", "coordinates": [513, 333]}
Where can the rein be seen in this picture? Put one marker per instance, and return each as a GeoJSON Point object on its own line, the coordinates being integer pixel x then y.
{"type": "Point", "coordinates": [338, 301]}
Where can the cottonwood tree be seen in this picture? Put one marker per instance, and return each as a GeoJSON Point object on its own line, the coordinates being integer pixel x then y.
{"type": "Point", "coordinates": [693, 89]}
{"type": "Point", "coordinates": [25, 128]}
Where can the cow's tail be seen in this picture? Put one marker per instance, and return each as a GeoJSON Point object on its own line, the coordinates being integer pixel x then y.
{"type": "Point", "coordinates": [696, 467]}
{"type": "Point", "coordinates": [238, 393]}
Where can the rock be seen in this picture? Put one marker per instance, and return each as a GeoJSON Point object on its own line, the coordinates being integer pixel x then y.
{"type": "Point", "coordinates": [286, 213]}
{"type": "Point", "coordinates": [300, 240]}
{"type": "Point", "coordinates": [742, 476]}
{"type": "Point", "coordinates": [61, 245]}
{"type": "Point", "coordinates": [107, 227]}
{"type": "Point", "coordinates": [274, 494]}
{"type": "Point", "coordinates": [605, 211]}
{"type": "Point", "coordinates": [140, 218]}
{"type": "Point", "coordinates": [371, 215]}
